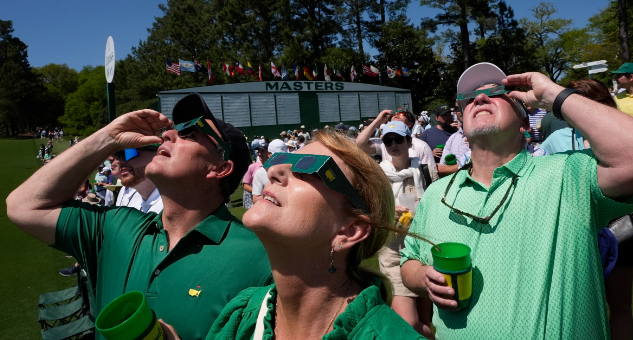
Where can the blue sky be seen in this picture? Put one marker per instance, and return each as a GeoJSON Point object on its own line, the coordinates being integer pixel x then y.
{"type": "Point", "coordinates": [75, 32]}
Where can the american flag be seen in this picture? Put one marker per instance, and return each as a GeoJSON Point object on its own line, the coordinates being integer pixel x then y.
{"type": "Point", "coordinates": [171, 67]}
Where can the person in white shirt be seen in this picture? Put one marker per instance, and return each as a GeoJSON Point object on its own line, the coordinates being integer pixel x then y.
{"type": "Point", "coordinates": [304, 133]}
{"type": "Point", "coordinates": [261, 176]}
{"type": "Point", "coordinates": [138, 191]}
{"type": "Point", "coordinates": [417, 128]}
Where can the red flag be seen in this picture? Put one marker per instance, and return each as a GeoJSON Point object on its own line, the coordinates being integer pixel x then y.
{"type": "Point", "coordinates": [239, 68]}
{"type": "Point", "coordinates": [307, 73]}
{"type": "Point", "coordinates": [367, 71]}
{"type": "Point", "coordinates": [260, 72]}
{"type": "Point", "coordinates": [210, 73]}
{"type": "Point", "coordinates": [398, 73]}
{"type": "Point", "coordinates": [226, 69]}
{"type": "Point", "coordinates": [273, 68]}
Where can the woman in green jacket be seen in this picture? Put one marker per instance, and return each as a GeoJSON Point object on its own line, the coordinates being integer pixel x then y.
{"type": "Point", "coordinates": [326, 208]}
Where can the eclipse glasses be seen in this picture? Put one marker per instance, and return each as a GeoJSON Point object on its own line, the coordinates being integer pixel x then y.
{"type": "Point", "coordinates": [325, 167]}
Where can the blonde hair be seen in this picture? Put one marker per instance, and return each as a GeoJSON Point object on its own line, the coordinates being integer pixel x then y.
{"type": "Point", "coordinates": [371, 183]}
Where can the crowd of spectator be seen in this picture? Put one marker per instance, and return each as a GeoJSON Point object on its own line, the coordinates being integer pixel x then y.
{"type": "Point", "coordinates": [530, 180]}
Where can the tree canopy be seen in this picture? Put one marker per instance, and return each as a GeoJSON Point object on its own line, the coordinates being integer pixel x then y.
{"type": "Point", "coordinates": [310, 33]}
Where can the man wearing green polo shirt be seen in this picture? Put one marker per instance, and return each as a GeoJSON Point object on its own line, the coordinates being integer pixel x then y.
{"type": "Point", "coordinates": [624, 99]}
{"type": "Point", "coordinates": [191, 259]}
{"type": "Point", "coordinates": [531, 223]}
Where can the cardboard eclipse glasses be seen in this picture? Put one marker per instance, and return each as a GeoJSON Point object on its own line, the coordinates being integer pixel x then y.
{"type": "Point", "coordinates": [186, 129]}
{"type": "Point", "coordinates": [490, 92]}
{"type": "Point", "coordinates": [325, 167]}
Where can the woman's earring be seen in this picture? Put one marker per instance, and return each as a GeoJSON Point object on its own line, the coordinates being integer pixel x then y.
{"type": "Point", "coordinates": [332, 269]}
{"type": "Point", "coordinates": [339, 247]}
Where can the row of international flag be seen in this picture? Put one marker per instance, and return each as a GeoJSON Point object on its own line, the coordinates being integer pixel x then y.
{"type": "Point", "coordinates": [310, 74]}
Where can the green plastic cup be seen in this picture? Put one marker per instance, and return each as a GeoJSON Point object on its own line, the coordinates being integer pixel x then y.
{"type": "Point", "coordinates": [440, 146]}
{"type": "Point", "coordinates": [454, 263]}
{"type": "Point", "coordinates": [450, 159]}
{"type": "Point", "coordinates": [129, 317]}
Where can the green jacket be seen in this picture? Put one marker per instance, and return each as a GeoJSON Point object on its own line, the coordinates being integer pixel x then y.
{"type": "Point", "coordinates": [366, 317]}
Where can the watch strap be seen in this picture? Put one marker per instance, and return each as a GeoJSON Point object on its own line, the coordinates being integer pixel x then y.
{"type": "Point", "coordinates": [558, 102]}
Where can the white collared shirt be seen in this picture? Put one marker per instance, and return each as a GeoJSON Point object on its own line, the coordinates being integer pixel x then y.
{"type": "Point", "coordinates": [128, 197]}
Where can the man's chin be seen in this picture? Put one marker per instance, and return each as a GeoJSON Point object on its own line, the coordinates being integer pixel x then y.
{"type": "Point", "coordinates": [131, 181]}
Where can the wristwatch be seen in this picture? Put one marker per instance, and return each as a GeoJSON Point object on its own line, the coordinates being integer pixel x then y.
{"type": "Point", "coordinates": [558, 102]}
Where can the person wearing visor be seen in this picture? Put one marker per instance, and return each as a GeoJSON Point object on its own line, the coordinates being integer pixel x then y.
{"type": "Point", "coordinates": [403, 172]}
{"type": "Point", "coordinates": [419, 148]}
{"type": "Point", "coordinates": [189, 260]}
{"type": "Point", "coordinates": [138, 191]}
{"type": "Point", "coordinates": [326, 208]}
{"type": "Point", "coordinates": [533, 278]}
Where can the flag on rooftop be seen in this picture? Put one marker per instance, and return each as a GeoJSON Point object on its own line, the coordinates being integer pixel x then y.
{"type": "Point", "coordinates": [239, 68]}
{"type": "Point", "coordinates": [296, 70]}
{"type": "Point", "coordinates": [390, 72]}
{"type": "Point", "coordinates": [398, 73]}
{"type": "Point", "coordinates": [225, 69]}
{"type": "Point", "coordinates": [210, 73]}
{"type": "Point", "coordinates": [375, 70]}
{"type": "Point", "coordinates": [315, 72]}
{"type": "Point", "coordinates": [171, 67]}
{"type": "Point", "coordinates": [367, 71]}
{"type": "Point", "coordinates": [260, 72]}
{"type": "Point", "coordinates": [273, 68]}
{"type": "Point", "coordinates": [405, 72]}
{"type": "Point", "coordinates": [250, 68]}
{"type": "Point", "coordinates": [199, 67]}
{"type": "Point", "coordinates": [307, 73]}
{"type": "Point", "coordinates": [352, 74]}
{"type": "Point", "coordinates": [284, 72]}
{"type": "Point", "coordinates": [187, 66]}
{"type": "Point", "coordinates": [326, 74]}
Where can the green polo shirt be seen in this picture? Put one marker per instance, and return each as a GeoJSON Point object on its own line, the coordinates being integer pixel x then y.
{"type": "Point", "coordinates": [366, 317]}
{"type": "Point", "coordinates": [536, 267]}
{"type": "Point", "coordinates": [125, 250]}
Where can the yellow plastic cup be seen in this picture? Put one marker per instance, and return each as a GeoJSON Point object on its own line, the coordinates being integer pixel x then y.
{"type": "Point", "coordinates": [454, 263]}
{"type": "Point", "coordinates": [129, 317]}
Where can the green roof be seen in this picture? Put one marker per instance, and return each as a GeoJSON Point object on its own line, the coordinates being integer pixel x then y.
{"type": "Point", "coordinates": [288, 86]}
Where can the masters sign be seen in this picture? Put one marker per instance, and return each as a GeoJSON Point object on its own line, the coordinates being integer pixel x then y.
{"type": "Point", "coordinates": [304, 86]}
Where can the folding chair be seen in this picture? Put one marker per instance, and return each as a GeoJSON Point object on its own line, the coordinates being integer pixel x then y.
{"type": "Point", "coordinates": [65, 314]}
{"type": "Point", "coordinates": [79, 329]}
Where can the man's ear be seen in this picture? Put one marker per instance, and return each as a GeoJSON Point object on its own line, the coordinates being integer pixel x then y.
{"type": "Point", "coordinates": [525, 124]}
{"type": "Point", "coordinates": [354, 233]}
{"type": "Point", "coordinates": [221, 171]}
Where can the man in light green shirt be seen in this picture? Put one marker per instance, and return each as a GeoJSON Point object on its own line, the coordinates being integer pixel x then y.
{"type": "Point", "coordinates": [536, 267]}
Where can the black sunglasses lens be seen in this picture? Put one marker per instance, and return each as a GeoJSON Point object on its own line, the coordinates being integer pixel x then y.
{"type": "Point", "coordinates": [398, 140]}
{"type": "Point", "coordinates": [387, 141]}
{"type": "Point", "coordinates": [186, 132]}
{"type": "Point", "coordinates": [497, 91]}
{"type": "Point", "coordinates": [471, 94]}
{"type": "Point", "coordinates": [305, 162]}
{"type": "Point", "coordinates": [278, 159]}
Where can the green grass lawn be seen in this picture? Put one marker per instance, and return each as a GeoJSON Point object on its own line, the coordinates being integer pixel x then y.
{"type": "Point", "coordinates": [28, 267]}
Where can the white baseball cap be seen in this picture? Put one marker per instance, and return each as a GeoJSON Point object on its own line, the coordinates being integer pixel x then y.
{"type": "Point", "coordinates": [303, 126]}
{"type": "Point", "coordinates": [477, 75]}
{"type": "Point", "coordinates": [277, 145]}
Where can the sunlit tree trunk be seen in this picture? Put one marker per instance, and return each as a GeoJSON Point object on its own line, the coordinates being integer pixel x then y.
{"type": "Point", "coordinates": [624, 34]}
